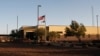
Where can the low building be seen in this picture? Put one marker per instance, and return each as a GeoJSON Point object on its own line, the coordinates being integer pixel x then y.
{"type": "Point", "coordinates": [5, 38]}
{"type": "Point", "coordinates": [26, 29]}
{"type": "Point", "coordinates": [91, 31]}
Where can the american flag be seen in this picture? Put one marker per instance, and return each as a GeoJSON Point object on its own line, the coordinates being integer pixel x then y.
{"type": "Point", "coordinates": [41, 17]}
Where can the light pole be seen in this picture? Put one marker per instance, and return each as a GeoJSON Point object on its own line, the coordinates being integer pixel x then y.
{"type": "Point", "coordinates": [17, 22]}
{"type": "Point", "coordinates": [7, 28]}
{"type": "Point", "coordinates": [97, 28]}
{"type": "Point", "coordinates": [92, 15]}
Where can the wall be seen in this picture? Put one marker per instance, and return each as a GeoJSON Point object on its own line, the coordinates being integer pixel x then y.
{"type": "Point", "coordinates": [57, 28]}
{"type": "Point", "coordinates": [92, 30]}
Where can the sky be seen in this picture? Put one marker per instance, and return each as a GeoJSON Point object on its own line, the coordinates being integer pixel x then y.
{"type": "Point", "coordinates": [57, 12]}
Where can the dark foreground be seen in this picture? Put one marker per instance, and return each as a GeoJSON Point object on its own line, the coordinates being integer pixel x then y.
{"type": "Point", "coordinates": [22, 49]}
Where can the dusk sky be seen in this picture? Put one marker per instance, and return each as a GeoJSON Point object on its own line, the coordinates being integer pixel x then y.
{"type": "Point", "coordinates": [58, 12]}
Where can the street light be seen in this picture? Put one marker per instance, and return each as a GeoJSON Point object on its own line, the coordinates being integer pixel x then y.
{"type": "Point", "coordinates": [7, 28]}
{"type": "Point", "coordinates": [92, 16]}
{"type": "Point", "coordinates": [17, 22]}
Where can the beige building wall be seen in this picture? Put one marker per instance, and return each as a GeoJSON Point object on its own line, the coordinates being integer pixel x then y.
{"type": "Point", "coordinates": [41, 26]}
{"type": "Point", "coordinates": [92, 30]}
{"type": "Point", "coordinates": [27, 29]}
{"type": "Point", "coordinates": [57, 28]}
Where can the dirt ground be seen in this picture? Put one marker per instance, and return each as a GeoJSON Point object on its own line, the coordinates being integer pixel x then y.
{"type": "Point", "coordinates": [23, 49]}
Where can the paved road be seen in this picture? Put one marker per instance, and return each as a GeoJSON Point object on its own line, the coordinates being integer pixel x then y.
{"type": "Point", "coordinates": [22, 49]}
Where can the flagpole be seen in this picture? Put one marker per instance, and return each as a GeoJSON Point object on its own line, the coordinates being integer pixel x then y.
{"type": "Point", "coordinates": [38, 14]}
{"type": "Point", "coordinates": [45, 28]}
{"type": "Point", "coordinates": [38, 6]}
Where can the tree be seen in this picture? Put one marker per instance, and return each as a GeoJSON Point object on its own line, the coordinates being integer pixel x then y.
{"type": "Point", "coordinates": [74, 25]}
{"type": "Point", "coordinates": [52, 35]}
{"type": "Point", "coordinates": [69, 32]}
{"type": "Point", "coordinates": [40, 33]}
{"type": "Point", "coordinates": [75, 30]}
{"type": "Point", "coordinates": [14, 33]}
{"type": "Point", "coordinates": [82, 30]}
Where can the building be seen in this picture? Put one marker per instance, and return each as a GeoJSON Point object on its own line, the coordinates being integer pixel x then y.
{"type": "Point", "coordinates": [5, 38]}
{"type": "Point", "coordinates": [27, 29]}
{"type": "Point", "coordinates": [57, 28]}
{"type": "Point", "coordinates": [91, 31]}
